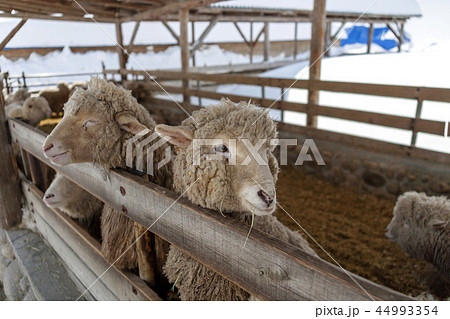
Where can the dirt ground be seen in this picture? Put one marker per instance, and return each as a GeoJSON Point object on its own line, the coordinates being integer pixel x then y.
{"type": "Point", "coordinates": [350, 225]}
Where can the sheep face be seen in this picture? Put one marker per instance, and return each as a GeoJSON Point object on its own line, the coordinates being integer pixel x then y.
{"type": "Point", "coordinates": [35, 109]}
{"type": "Point", "coordinates": [226, 163]}
{"type": "Point", "coordinates": [64, 194]}
{"type": "Point", "coordinates": [418, 221]}
{"type": "Point", "coordinates": [90, 131]}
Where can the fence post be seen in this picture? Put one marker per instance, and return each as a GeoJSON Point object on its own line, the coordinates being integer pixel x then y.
{"type": "Point", "coordinates": [319, 21]}
{"type": "Point", "coordinates": [10, 210]}
{"type": "Point", "coordinates": [184, 20]}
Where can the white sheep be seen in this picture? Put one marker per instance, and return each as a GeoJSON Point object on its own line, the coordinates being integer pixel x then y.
{"type": "Point", "coordinates": [238, 189]}
{"type": "Point", "coordinates": [75, 202]}
{"type": "Point", "coordinates": [421, 227]}
{"type": "Point", "coordinates": [97, 123]}
{"type": "Point", "coordinates": [33, 110]}
{"type": "Point", "coordinates": [19, 96]}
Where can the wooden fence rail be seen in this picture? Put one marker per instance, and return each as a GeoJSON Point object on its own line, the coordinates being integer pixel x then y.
{"type": "Point", "coordinates": [266, 267]}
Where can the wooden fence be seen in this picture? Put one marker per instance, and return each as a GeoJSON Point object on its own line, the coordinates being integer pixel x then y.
{"type": "Point", "coordinates": [266, 267]}
{"type": "Point", "coordinates": [200, 81]}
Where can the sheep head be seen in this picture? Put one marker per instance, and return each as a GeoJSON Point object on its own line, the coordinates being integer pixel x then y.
{"type": "Point", "coordinates": [95, 126]}
{"type": "Point", "coordinates": [225, 158]}
{"type": "Point", "coordinates": [418, 222]}
{"type": "Point", "coordinates": [35, 109]}
{"type": "Point", "coordinates": [70, 198]}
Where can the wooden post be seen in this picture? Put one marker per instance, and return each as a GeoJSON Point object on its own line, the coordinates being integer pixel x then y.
{"type": "Point", "coordinates": [327, 39]}
{"type": "Point", "coordinates": [10, 212]}
{"type": "Point", "coordinates": [317, 46]}
{"type": "Point", "coordinates": [120, 51]}
{"type": "Point", "coordinates": [36, 172]}
{"type": "Point", "coordinates": [133, 37]}
{"type": "Point", "coordinates": [251, 42]}
{"type": "Point", "coordinates": [266, 42]}
{"type": "Point", "coordinates": [369, 40]}
{"type": "Point", "coordinates": [184, 20]}
{"type": "Point", "coordinates": [400, 40]}
{"type": "Point", "coordinates": [418, 115]}
{"type": "Point", "coordinates": [12, 33]}
{"type": "Point", "coordinates": [146, 256]}
{"type": "Point", "coordinates": [295, 40]}
{"type": "Point", "coordinates": [193, 41]}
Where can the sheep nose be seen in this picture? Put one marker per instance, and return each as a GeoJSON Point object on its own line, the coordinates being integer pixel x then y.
{"type": "Point", "coordinates": [265, 197]}
{"type": "Point", "coordinates": [47, 196]}
{"type": "Point", "coordinates": [48, 147]}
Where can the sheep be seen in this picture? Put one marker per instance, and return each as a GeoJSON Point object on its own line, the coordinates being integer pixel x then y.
{"type": "Point", "coordinates": [97, 123]}
{"type": "Point", "coordinates": [74, 202]}
{"type": "Point", "coordinates": [19, 96]}
{"type": "Point", "coordinates": [56, 97]}
{"type": "Point", "coordinates": [421, 227]}
{"type": "Point", "coordinates": [33, 110]}
{"type": "Point", "coordinates": [75, 85]}
{"type": "Point", "coordinates": [236, 189]}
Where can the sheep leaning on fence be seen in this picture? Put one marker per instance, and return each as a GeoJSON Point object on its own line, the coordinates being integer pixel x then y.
{"type": "Point", "coordinates": [56, 96]}
{"type": "Point", "coordinates": [19, 96]}
{"type": "Point", "coordinates": [239, 190]}
{"type": "Point", "coordinates": [33, 110]}
{"type": "Point", "coordinates": [97, 123]}
{"type": "Point", "coordinates": [74, 202]}
{"type": "Point", "coordinates": [421, 227]}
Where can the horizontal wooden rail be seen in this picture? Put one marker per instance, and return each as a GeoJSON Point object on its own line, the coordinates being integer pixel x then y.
{"type": "Point", "coordinates": [394, 121]}
{"type": "Point", "coordinates": [396, 91]}
{"type": "Point", "coordinates": [214, 240]}
{"type": "Point", "coordinates": [82, 253]}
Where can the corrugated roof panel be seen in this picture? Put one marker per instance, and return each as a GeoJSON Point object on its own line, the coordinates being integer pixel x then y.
{"type": "Point", "coordinates": [380, 7]}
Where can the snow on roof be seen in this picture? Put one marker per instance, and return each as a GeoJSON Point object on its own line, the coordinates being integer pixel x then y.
{"type": "Point", "coordinates": [370, 7]}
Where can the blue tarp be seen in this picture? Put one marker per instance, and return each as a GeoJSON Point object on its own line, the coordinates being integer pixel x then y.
{"type": "Point", "coordinates": [360, 34]}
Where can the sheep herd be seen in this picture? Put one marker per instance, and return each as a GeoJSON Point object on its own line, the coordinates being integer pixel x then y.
{"type": "Point", "coordinates": [99, 120]}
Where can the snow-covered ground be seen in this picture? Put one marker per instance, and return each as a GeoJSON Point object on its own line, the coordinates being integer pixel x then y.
{"type": "Point", "coordinates": [425, 64]}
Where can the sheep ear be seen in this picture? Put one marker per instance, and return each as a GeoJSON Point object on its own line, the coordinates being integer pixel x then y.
{"type": "Point", "coordinates": [178, 135]}
{"type": "Point", "coordinates": [130, 124]}
{"type": "Point", "coordinates": [437, 224]}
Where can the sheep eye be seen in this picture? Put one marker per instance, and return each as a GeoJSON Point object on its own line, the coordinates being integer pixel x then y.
{"type": "Point", "coordinates": [30, 106]}
{"type": "Point", "coordinates": [221, 149]}
{"type": "Point", "coordinates": [89, 123]}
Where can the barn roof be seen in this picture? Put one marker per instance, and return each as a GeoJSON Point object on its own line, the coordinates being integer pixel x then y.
{"type": "Point", "coordinates": [205, 10]}
{"type": "Point", "coordinates": [397, 8]}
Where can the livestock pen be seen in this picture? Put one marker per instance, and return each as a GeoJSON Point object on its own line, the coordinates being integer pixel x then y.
{"type": "Point", "coordinates": [266, 267]}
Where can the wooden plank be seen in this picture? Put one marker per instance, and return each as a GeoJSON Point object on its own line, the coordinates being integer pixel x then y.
{"type": "Point", "coordinates": [202, 37]}
{"type": "Point", "coordinates": [10, 212]}
{"type": "Point", "coordinates": [318, 27]}
{"type": "Point", "coordinates": [171, 31]}
{"type": "Point", "coordinates": [133, 37]}
{"type": "Point", "coordinates": [369, 40]}
{"type": "Point", "coordinates": [12, 33]}
{"type": "Point", "coordinates": [120, 51]}
{"type": "Point", "coordinates": [369, 144]}
{"type": "Point", "coordinates": [216, 241]}
{"type": "Point", "coordinates": [75, 245]}
{"type": "Point", "coordinates": [266, 42]}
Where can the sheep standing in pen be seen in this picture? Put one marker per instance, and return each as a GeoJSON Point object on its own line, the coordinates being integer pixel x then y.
{"type": "Point", "coordinates": [421, 227]}
{"type": "Point", "coordinates": [56, 97]}
{"type": "Point", "coordinates": [19, 96]}
{"type": "Point", "coordinates": [97, 123]}
{"type": "Point", "coordinates": [33, 110]}
{"type": "Point", "coordinates": [239, 190]}
{"type": "Point", "coordinates": [75, 202]}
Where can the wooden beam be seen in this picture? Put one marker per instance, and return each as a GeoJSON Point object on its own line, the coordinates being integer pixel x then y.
{"type": "Point", "coordinates": [171, 31]}
{"type": "Point", "coordinates": [216, 241]}
{"type": "Point", "coordinates": [169, 8]}
{"type": "Point", "coordinates": [334, 37]}
{"type": "Point", "coordinates": [120, 50]}
{"type": "Point", "coordinates": [241, 33]}
{"type": "Point", "coordinates": [192, 43]}
{"type": "Point", "coordinates": [10, 207]}
{"type": "Point", "coordinates": [83, 255]}
{"type": "Point", "coordinates": [369, 40]}
{"type": "Point", "coordinates": [184, 44]}
{"type": "Point", "coordinates": [401, 39]}
{"type": "Point", "coordinates": [295, 40]}
{"type": "Point", "coordinates": [202, 37]}
{"type": "Point", "coordinates": [133, 37]}
{"type": "Point", "coordinates": [266, 42]}
{"type": "Point", "coordinates": [317, 48]}
{"type": "Point", "coordinates": [12, 33]}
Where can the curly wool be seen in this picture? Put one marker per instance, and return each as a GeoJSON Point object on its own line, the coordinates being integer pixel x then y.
{"type": "Point", "coordinates": [194, 280]}
{"type": "Point", "coordinates": [415, 231]}
{"type": "Point", "coordinates": [117, 230]}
